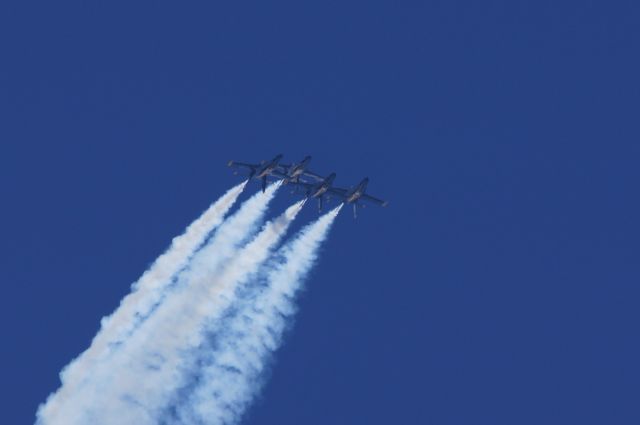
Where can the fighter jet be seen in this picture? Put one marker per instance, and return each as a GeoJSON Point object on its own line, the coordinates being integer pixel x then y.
{"type": "Point", "coordinates": [318, 190]}
{"type": "Point", "coordinates": [356, 194]}
{"type": "Point", "coordinates": [292, 173]}
{"type": "Point", "coordinates": [262, 170]}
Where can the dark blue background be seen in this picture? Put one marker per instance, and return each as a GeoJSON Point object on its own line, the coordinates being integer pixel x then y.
{"type": "Point", "coordinates": [500, 286]}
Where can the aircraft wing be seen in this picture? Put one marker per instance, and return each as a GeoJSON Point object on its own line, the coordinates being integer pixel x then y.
{"type": "Point", "coordinates": [369, 198]}
{"type": "Point", "coordinates": [338, 191]}
{"type": "Point", "coordinates": [279, 173]}
{"type": "Point", "coordinates": [283, 170]}
{"type": "Point", "coordinates": [313, 175]}
{"type": "Point", "coordinates": [302, 184]}
{"type": "Point", "coordinates": [242, 164]}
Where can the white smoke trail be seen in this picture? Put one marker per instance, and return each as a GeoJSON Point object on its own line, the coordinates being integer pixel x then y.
{"type": "Point", "coordinates": [233, 370]}
{"type": "Point", "coordinates": [150, 364]}
{"type": "Point", "coordinates": [229, 235]}
{"type": "Point", "coordinates": [147, 291]}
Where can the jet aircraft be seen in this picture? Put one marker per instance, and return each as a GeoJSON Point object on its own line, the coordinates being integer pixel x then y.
{"type": "Point", "coordinates": [262, 170]}
{"type": "Point", "coordinates": [299, 175]}
{"type": "Point", "coordinates": [318, 190]}
{"type": "Point", "coordinates": [292, 173]}
{"type": "Point", "coordinates": [356, 194]}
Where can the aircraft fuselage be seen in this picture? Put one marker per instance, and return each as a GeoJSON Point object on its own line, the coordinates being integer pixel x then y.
{"type": "Point", "coordinates": [357, 192]}
{"type": "Point", "coordinates": [268, 168]}
{"type": "Point", "coordinates": [321, 188]}
{"type": "Point", "coordinates": [319, 191]}
{"type": "Point", "coordinates": [299, 169]}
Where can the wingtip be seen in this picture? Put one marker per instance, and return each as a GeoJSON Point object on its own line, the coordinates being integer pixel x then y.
{"type": "Point", "coordinates": [385, 203]}
{"type": "Point", "coordinates": [230, 163]}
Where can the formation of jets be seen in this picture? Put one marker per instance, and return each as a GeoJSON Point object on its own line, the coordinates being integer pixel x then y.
{"type": "Point", "coordinates": [314, 185]}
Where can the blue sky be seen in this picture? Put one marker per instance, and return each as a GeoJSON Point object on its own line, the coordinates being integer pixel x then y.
{"type": "Point", "coordinates": [500, 286]}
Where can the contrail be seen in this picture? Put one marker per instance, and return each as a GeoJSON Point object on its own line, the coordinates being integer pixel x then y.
{"type": "Point", "coordinates": [229, 374]}
{"type": "Point", "coordinates": [228, 236]}
{"type": "Point", "coordinates": [135, 385]}
{"type": "Point", "coordinates": [147, 291]}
